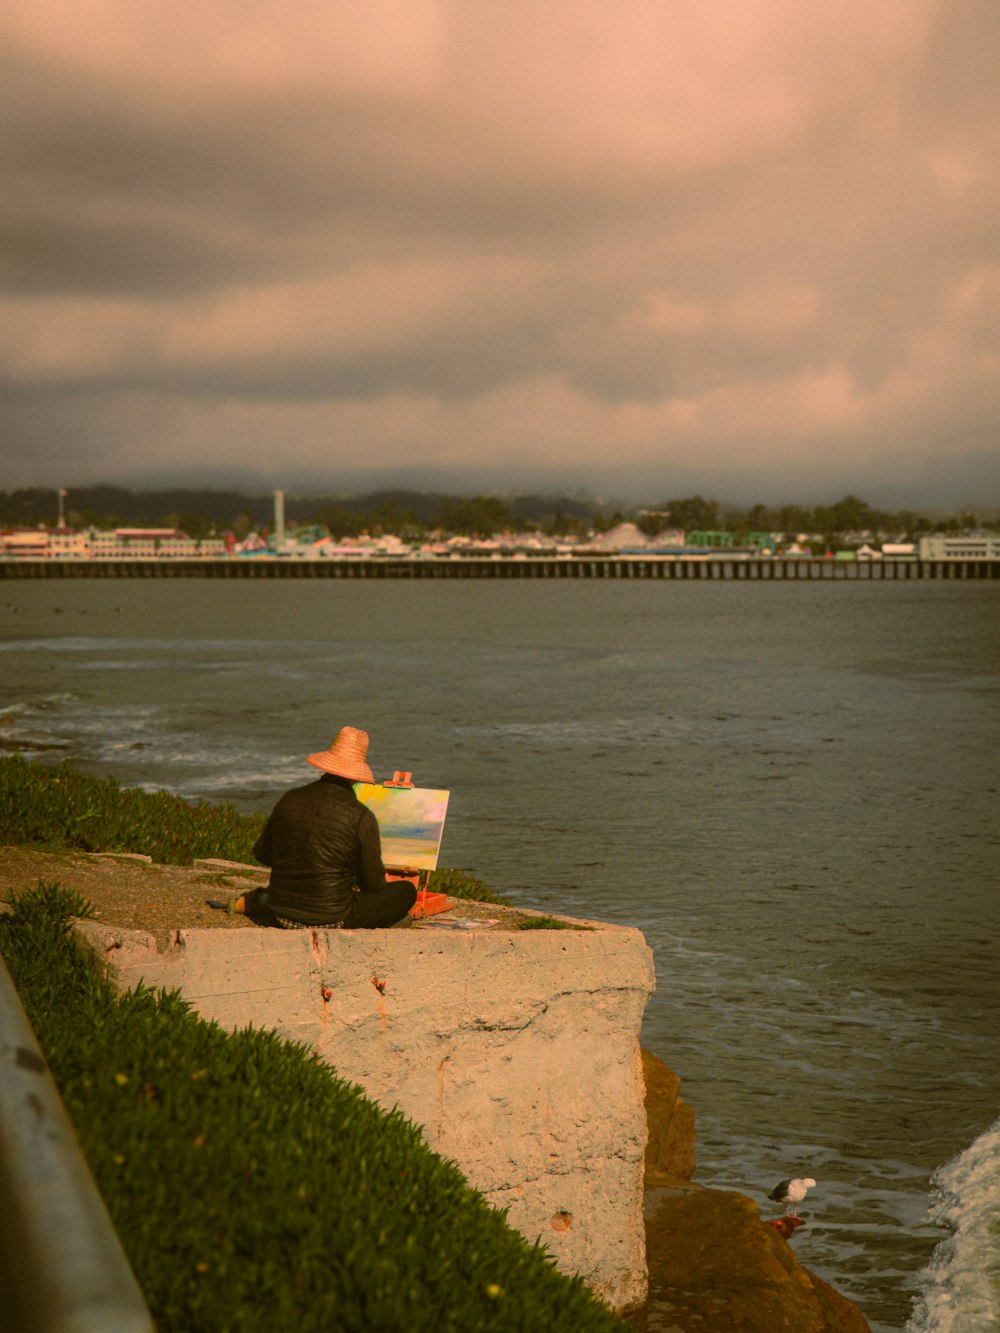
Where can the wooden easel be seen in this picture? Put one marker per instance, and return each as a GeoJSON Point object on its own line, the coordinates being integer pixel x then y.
{"type": "Point", "coordinates": [427, 903]}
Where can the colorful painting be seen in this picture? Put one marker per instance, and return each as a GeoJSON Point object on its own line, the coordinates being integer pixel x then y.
{"type": "Point", "coordinates": [411, 822]}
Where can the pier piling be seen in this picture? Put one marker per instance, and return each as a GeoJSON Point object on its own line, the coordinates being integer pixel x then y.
{"type": "Point", "coordinates": [753, 570]}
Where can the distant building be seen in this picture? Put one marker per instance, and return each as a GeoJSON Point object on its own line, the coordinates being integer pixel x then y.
{"type": "Point", "coordinates": [714, 539]}
{"type": "Point", "coordinates": [119, 544]}
{"type": "Point", "coordinates": [25, 544]}
{"type": "Point", "coordinates": [152, 543]}
{"type": "Point", "coordinates": [979, 546]}
{"type": "Point", "coordinates": [67, 544]}
{"type": "Point", "coordinates": [624, 537]}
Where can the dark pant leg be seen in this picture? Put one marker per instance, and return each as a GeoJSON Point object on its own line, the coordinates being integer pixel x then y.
{"type": "Point", "coordinates": [383, 908]}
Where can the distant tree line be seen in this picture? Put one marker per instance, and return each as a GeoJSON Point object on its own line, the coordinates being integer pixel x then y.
{"type": "Point", "coordinates": [850, 514]}
{"type": "Point", "coordinates": [200, 513]}
{"type": "Point", "coordinates": [413, 514]}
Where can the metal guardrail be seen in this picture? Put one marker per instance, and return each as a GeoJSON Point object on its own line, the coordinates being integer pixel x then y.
{"type": "Point", "coordinates": [62, 1267]}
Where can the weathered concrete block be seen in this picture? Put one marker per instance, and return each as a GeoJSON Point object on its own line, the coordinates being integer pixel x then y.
{"type": "Point", "coordinates": [517, 1052]}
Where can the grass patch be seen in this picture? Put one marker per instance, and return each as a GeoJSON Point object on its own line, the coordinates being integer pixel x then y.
{"type": "Point", "coordinates": [460, 884]}
{"type": "Point", "coordinates": [549, 923]}
{"type": "Point", "coordinates": [56, 807]}
{"type": "Point", "coordinates": [252, 1188]}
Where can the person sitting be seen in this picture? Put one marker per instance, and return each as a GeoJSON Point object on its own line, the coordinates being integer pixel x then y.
{"type": "Point", "coordinates": [323, 847]}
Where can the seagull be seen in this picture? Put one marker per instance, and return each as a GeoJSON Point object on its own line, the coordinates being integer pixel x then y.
{"type": "Point", "coordinates": [792, 1192]}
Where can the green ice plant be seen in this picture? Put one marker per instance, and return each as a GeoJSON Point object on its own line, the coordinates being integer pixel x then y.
{"type": "Point", "coordinates": [462, 884]}
{"type": "Point", "coordinates": [57, 807]}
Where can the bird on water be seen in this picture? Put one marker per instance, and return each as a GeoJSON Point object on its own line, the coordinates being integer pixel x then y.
{"type": "Point", "coordinates": [792, 1192]}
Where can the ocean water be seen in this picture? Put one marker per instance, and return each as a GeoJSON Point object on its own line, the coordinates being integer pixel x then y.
{"type": "Point", "coordinates": [792, 790]}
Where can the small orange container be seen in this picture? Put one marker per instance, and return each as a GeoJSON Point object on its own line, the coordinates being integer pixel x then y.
{"type": "Point", "coordinates": [428, 903]}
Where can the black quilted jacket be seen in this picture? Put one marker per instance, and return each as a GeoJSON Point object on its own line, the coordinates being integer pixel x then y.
{"type": "Point", "coordinates": [320, 843]}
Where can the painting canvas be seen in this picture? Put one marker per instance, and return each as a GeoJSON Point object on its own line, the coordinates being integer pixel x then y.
{"type": "Point", "coordinates": [410, 820]}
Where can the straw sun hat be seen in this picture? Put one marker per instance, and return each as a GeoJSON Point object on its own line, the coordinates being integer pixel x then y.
{"type": "Point", "coordinates": [346, 756]}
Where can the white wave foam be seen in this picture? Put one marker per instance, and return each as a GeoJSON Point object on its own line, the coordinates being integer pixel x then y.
{"type": "Point", "coordinates": [130, 739]}
{"type": "Point", "coordinates": [961, 1284]}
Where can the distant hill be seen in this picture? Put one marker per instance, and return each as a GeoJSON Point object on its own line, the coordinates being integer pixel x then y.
{"type": "Point", "coordinates": [99, 504]}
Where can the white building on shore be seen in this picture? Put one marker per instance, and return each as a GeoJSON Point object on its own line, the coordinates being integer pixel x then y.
{"type": "Point", "coordinates": [974, 546]}
{"type": "Point", "coordinates": [117, 544]}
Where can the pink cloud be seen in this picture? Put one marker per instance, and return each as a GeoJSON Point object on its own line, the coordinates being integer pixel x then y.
{"type": "Point", "coordinates": [202, 48]}
{"type": "Point", "coordinates": [549, 230]}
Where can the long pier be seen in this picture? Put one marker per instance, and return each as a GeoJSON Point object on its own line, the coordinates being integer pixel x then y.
{"type": "Point", "coordinates": [780, 568]}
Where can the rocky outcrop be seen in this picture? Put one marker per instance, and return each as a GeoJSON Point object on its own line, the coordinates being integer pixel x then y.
{"type": "Point", "coordinates": [714, 1266]}
{"type": "Point", "coordinates": [670, 1147]}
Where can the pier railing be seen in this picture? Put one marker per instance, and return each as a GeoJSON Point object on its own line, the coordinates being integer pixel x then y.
{"type": "Point", "coordinates": [717, 566]}
{"type": "Point", "coordinates": [62, 1268]}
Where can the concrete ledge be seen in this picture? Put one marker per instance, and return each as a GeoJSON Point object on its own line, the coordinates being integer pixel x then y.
{"type": "Point", "coordinates": [517, 1052]}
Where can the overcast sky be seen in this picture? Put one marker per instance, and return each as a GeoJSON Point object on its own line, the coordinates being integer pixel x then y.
{"type": "Point", "coordinates": [650, 247]}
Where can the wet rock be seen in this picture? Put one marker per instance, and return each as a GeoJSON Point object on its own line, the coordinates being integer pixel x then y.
{"type": "Point", "coordinates": [714, 1267]}
{"type": "Point", "coordinates": [670, 1148]}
